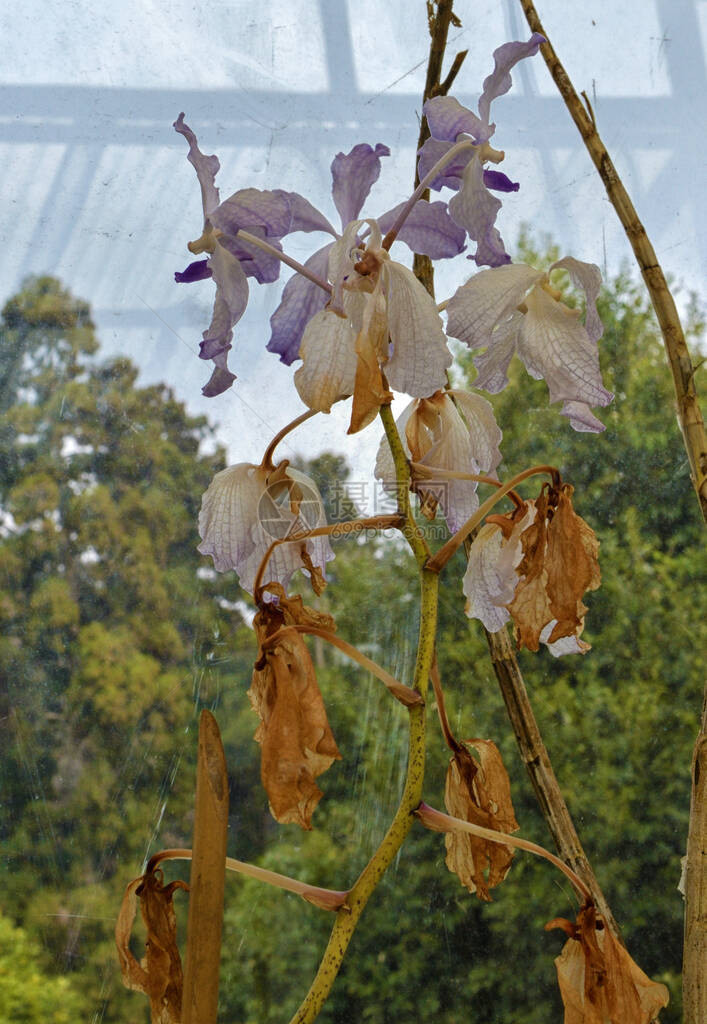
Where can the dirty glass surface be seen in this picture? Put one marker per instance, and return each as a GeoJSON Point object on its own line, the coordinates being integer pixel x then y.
{"type": "Point", "coordinates": [117, 632]}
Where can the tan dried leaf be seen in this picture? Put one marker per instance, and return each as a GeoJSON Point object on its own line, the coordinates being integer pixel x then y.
{"type": "Point", "coordinates": [297, 744]}
{"type": "Point", "coordinates": [599, 982]}
{"type": "Point", "coordinates": [159, 973]}
{"type": "Point", "coordinates": [530, 607]}
{"type": "Point", "coordinates": [479, 792]}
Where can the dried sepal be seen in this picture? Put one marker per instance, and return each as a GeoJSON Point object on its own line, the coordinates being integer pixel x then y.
{"type": "Point", "coordinates": [479, 792]}
{"type": "Point", "coordinates": [159, 973]}
{"type": "Point", "coordinates": [599, 982]}
{"type": "Point", "coordinates": [297, 744]}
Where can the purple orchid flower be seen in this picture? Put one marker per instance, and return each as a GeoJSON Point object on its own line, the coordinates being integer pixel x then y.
{"type": "Point", "coordinates": [428, 229]}
{"type": "Point", "coordinates": [474, 208]}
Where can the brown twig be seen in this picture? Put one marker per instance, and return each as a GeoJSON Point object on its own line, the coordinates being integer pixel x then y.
{"type": "Point", "coordinates": [688, 408]}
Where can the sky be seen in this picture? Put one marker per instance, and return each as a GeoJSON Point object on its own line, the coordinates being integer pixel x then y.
{"type": "Point", "coordinates": [95, 187]}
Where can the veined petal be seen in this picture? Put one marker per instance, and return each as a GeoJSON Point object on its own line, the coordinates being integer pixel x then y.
{"type": "Point", "coordinates": [353, 174]}
{"type": "Point", "coordinates": [428, 229]}
{"type": "Point", "coordinates": [486, 588]}
{"type": "Point", "coordinates": [581, 418]}
{"type": "Point", "coordinates": [554, 345]}
{"type": "Point", "coordinates": [328, 353]}
{"type": "Point", "coordinates": [451, 176]}
{"type": "Point", "coordinates": [254, 208]}
{"type": "Point", "coordinates": [499, 81]}
{"type": "Point", "coordinates": [447, 119]}
{"type": "Point", "coordinates": [229, 514]}
{"type": "Point", "coordinates": [475, 209]}
{"type": "Point", "coordinates": [301, 299]}
{"type": "Point", "coordinates": [484, 433]}
{"type": "Point", "coordinates": [206, 167]}
{"type": "Point", "coordinates": [304, 216]}
{"type": "Point", "coordinates": [487, 299]}
{"type": "Point", "coordinates": [449, 448]}
{"type": "Point", "coordinates": [586, 276]}
{"type": "Point", "coordinates": [420, 355]}
{"type": "Point", "coordinates": [257, 263]}
{"type": "Point", "coordinates": [492, 365]}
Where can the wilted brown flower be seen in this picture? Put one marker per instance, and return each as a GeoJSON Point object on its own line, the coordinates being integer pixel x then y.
{"type": "Point", "coordinates": [536, 563]}
{"type": "Point", "coordinates": [296, 740]}
{"type": "Point", "coordinates": [479, 792]}
{"type": "Point", "coordinates": [599, 982]}
{"type": "Point", "coordinates": [159, 973]}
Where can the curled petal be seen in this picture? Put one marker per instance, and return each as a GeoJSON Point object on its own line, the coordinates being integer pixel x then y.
{"type": "Point", "coordinates": [586, 276]}
{"type": "Point", "coordinates": [554, 345]}
{"type": "Point", "coordinates": [451, 176]}
{"type": "Point", "coordinates": [219, 381]}
{"type": "Point", "coordinates": [301, 299]}
{"type": "Point", "coordinates": [353, 174]}
{"type": "Point", "coordinates": [475, 209]}
{"type": "Point", "coordinates": [581, 418]}
{"type": "Point", "coordinates": [420, 355]}
{"type": "Point", "coordinates": [428, 229]}
{"type": "Point", "coordinates": [487, 299]}
{"type": "Point", "coordinates": [447, 118]}
{"type": "Point", "coordinates": [499, 81]}
{"type": "Point", "coordinates": [328, 352]}
{"type": "Point", "coordinates": [486, 589]}
{"type": "Point", "coordinates": [206, 167]}
{"type": "Point", "coordinates": [484, 433]}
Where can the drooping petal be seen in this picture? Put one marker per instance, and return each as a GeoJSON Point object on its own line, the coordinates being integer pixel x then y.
{"type": "Point", "coordinates": [475, 209]}
{"type": "Point", "coordinates": [206, 167]}
{"type": "Point", "coordinates": [297, 743]}
{"type": "Point", "coordinates": [451, 176]}
{"type": "Point", "coordinates": [566, 644]}
{"type": "Point", "coordinates": [371, 345]}
{"type": "Point", "coordinates": [484, 433]}
{"type": "Point", "coordinates": [245, 509]}
{"type": "Point", "coordinates": [328, 352]}
{"type": "Point", "coordinates": [581, 418]}
{"type": "Point", "coordinates": [554, 345]}
{"type": "Point", "coordinates": [420, 356]}
{"type": "Point", "coordinates": [220, 379]}
{"type": "Point", "coordinates": [301, 299]}
{"type": "Point", "coordinates": [199, 270]}
{"type": "Point", "coordinates": [447, 119]}
{"type": "Point", "coordinates": [486, 589]}
{"type": "Point", "coordinates": [353, 174]}
{"type": "Point", "coordinates": [229, 305]}
{"type": "Point", "coordinates": [492, 365]}
{"type": "Point", "coordinates": [428, 229]}
{"type": "Point", "coordinates": [586, 276]}
{"type": "Point", "coordinates": [487, 299]}
{"type": "Point", "coordinates": [499, 81]}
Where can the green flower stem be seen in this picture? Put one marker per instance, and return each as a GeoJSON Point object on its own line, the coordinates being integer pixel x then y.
{"type": "Point", "coordinates": [347, 918]}
{"type": "Point", "coordinates": [402, 476]}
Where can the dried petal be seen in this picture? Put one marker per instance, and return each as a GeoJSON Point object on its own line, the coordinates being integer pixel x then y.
{"type": "Point", "coordinates": [328, 370]}
{"type": "Point", "coordinates": [479, 792]}
{"type": "Point", "coordinates": [572, 566]}
{"type": "Point", "coordinates": [206, 167]}
{"type": "Point", "coordinates": [294, 734]}
{"type": "Point", "coordinates": [599, 982]}
{"type": "Point", "coordinates": [487, 299]}
{"type": "Point", "coordinates": [159, 973]}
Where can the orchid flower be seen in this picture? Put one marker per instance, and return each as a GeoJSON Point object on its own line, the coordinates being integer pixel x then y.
{"type": "Point", "coordinates": [247, 507]}
{"type": "Point", "coordinates": [513, 309]}
{"type": "Point", "coordinates": [451, 430]}
{"type": "Point", "coordinates": [427, 229]}
{"type": "Point", "coordinates": [474, 208]}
